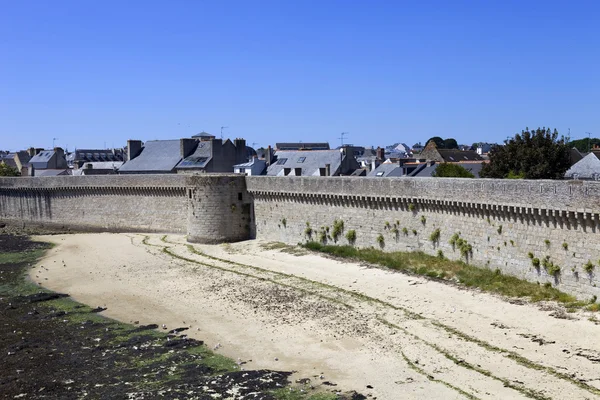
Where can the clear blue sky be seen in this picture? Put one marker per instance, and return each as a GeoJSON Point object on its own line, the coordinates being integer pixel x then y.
{"type": "Point", "coordinates": [92, 73]}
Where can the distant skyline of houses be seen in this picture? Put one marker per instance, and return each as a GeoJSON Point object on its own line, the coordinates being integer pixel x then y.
{"type": "Point", "coordinates": [204, 153]}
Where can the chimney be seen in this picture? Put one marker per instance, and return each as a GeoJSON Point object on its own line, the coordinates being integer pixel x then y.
{"type": "Point", "coordinates": [38, 151]}
{"type": "Point", "coordinates": [31, 151]}
{"type": "Point", "coordinates": [327, 169]}
{"type": "Point", "coordinates": [31, 170]}
{"type": "Point", "coordinates": [380, 153]}
{"type": "Point", "coordinates": [59, 151]}
{"type": "Point", "coordinates": [133, 149]}
{"type": "Point", "coordinates": [186, 147]}
{"type": "Point", "coordinates": [268, 154]}
{"type": "Point", "coordinates": [241, 155]}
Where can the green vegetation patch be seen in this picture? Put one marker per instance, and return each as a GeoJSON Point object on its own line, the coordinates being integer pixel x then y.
{"type": "Point", "coordinates": [432, 266]}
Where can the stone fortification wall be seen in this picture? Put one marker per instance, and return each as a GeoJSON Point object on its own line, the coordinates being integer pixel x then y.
{"type": "Point", "coordinates": [505, 222]}
{"type": "Point", "coordinates": [150, 203]}
{"type": "Point", "coordinates": [219, 209]}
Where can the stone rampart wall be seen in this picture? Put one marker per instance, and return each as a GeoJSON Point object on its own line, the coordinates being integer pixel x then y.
{"type": "Point", "coordinates": [151, 203]}
{"type": "Point", "coordinates": [503, 221]}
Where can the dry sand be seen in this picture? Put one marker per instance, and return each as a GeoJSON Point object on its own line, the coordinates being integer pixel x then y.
{"type": "Point", "coordinates": [407, 337]}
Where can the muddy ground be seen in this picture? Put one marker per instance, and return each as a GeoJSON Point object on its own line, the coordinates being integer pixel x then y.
{"type": "Point", "coordinates": [53, 347]}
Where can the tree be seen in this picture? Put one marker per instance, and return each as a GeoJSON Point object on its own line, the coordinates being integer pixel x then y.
{"type": "Point", "coordinates": [439, 142]}
{"type": "Point", "coordinates": [7, 170]}
{"type": "Point", "coordinates": [535, 154]}
{"type": "Point", "coordinates": [450, 143]}
{"type": "Point", "coordinates": [447, 170]}
{"type": "Point", "coordinates": [584, 145]}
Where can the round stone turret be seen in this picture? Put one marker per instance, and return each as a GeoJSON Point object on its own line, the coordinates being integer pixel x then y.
{"type": "Point", "coordinates": [219, 209]}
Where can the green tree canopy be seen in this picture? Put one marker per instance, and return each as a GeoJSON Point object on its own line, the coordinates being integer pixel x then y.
{"type": "Point", "coordinates": [535, 154]}
{"type": "Point", "coordinates": [447, 170]}
{"type": "Point", "coordinates": [450, 143]}
{"type": "Point", "coordinates": [7, 170]}
{"type": "Point", "coordinates": [439, 142]}
{"type": "Point", "coordinates": [584, 145]}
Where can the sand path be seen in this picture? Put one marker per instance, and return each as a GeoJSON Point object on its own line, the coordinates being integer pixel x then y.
{"type": "Point", "coordinates": [355, 326]}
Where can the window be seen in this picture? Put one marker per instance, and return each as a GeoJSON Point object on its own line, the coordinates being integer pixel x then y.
{"type": "Point", "coordinates": [286, 171]}
{"type": "Point", "coordinates": [322, 171]}
{"type": "Point", "coordinates": [281, 161]}
{"type": "Point", "coordinates": [298, 171]}
{"type": "Point", "coordinates": [301, 159]}
{"type": "Point", "coordinates": [380, 173]}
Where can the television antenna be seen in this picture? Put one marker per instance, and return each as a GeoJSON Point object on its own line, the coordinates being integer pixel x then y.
{"type": "Point", "coordinates": [223, 127]}
{"type": "Point", "coordinates": [589, 141]}
{"type": "Point", "coordinates": [342, 135]}
{"type": "Point", "coordinates": [54, 139]}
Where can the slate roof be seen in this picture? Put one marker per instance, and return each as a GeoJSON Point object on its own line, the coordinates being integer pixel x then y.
{"type": "Point", "coordinates": [427, 171]}
{"type": "Point", "coordinates": [199, 158]}
{"type": "Point", "coordinates": [385, 170]}
{"type": "Point", "coordinates": [103, 164]}
{"type": "Point", "coordinates": [156, 156]}
{"type": "Point", "coordinates": [9, 159]}
{"type": "Point", "coordinates": [309, 161]}
{"type": "Point", "coordinates": [587, 168]}
{"type": "Point", "coordinates": [52, 172]}
{"type": "Point", "coordinates": [95, 155]}
{"type": "Point", "coordinates": [203, 135]}
{"type": "Point", "coordinates": [454, 155]}
{"type": "Point", "coordinates": [300, 146]}
{"type": "Point", "coordinates": [41, 160]}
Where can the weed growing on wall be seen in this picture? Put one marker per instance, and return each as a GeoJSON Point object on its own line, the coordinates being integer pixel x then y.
{"type": "Point", "coordinates": [466, 250]}
{"type": "Point", "coordinates": [565, 246]}
{"type": "Point", "coordinates": [440, 254]}
{"type": "Point", "coordinates": [405, 231]}
{"type": "Point", "coordinates": [550, 267]}
{"type": "Point", "coordinates": [414, 231]}
{"type": "Point", "coordinates": [435, 236]}
{"type": "Point", "coordinates": [284, 222]}
{"type": "Point", "coordinates": [411, 207]}
{"type": "Point", "coordinates": [423, 219]}
{"type": "Point", "coordinates": [500, 230]}
{"type": "Point", "coordinates": [387, 225]}
{"type": "Point", "coordinates": [589, 267]}
{"type": "Point", "coordinates": [547, 242]}
{"type": "Point", "coordinates": [530, 255]}
{"type": "Point", "coordinates": [322, 236]}
{"type": "Point", "coordinates": [351, 236]}
{"type": "Point", "coordinates": [308, 231]}
{"type": "Point", "coordinates": [338, 228]}
{"type": "Point", "coordinates": [380, 240]}
{"type": "Point", "coordinates": [535, 262]}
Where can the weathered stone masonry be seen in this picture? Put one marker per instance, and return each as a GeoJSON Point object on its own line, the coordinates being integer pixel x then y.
{"type": "Point", "coordinates": [503, 221]}
{"type": "Point", "coordinates": [209, 208]}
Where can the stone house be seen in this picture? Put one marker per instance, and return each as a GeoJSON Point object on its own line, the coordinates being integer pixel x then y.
{"type": "Point", "coordinates": [188, 155]}
{"type": "Point", "coordinates": [312, 163]}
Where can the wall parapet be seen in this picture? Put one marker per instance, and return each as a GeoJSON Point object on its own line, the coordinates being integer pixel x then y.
{"type": "Point", "coordinates": [93, 181]}
{"type": "Point", "coordinates": [557, 197]}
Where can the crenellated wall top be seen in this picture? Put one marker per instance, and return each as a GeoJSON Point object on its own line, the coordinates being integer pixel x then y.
{"type": "Point", "coordinates": [577, 196]}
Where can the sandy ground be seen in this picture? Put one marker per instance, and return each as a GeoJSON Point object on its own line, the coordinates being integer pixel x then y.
{"type": "Point", "coordinates": [387, 334]}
